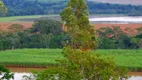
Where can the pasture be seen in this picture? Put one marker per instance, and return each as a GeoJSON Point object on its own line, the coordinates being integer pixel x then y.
{"type": "Point", "coordinates": [15, 18]}
{"type": "Point", "coordinates": [30, 18]}
{"type": "Point", "coordinates": [131, 59]}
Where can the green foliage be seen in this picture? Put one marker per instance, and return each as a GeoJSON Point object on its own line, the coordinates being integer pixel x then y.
{"type": "Point", "coordinates": [43, 7]}
{"type": "Point", "coordinates": [16, 27]}
{"type": "Point", "coordinates": [75, 17]}
{"type": "Point", "coordinates": [79, 62]}
{"type": "Point", "coordinates": [14, 40]}
{"type": "Point", "coordinates": [6, 73]}
{"type": "Point", "coordinates": [45, 33]}
{"type": "Point", "coordinates": [46, 39]}
{"type": "Point", "coordinates": [59, 40]}
{"type": "Point", "coordinates": [3, 9]}
{"type": "Point", "coordinates": [82, 66]}
{"type": "Point", "coordinates": [47, 26]}
{"type": "Point", "coordinates": [114, 38]}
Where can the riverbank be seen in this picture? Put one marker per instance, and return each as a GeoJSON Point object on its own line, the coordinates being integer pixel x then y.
{"type": "Point", "coordinates": [41, 58]}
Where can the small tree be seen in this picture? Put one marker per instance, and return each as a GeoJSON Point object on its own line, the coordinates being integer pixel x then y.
{"type": "Point", "coordinates": [47, 26]}
{"type": "Point", "coordinates": [46, 39]}
{"type": "Point", "coordinates": [14, 39]}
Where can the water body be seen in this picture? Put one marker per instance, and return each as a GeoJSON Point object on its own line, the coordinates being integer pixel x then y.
{"type": "Point", "coordinates": [19, 76]}
{"type": "Point", "coordinates": [124, 19]}
{"type": "Point", "coordinates": [20, 72]}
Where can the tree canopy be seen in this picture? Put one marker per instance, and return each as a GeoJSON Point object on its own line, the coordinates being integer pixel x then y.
{"type": "Point", "coordinates": [75, 17]}
{"type": "Point", "coordinates": [27, 7]}
{"type": "Point", "coordinates": [47, 26]}
{"type": "Point", "coordinates": [3, 9]}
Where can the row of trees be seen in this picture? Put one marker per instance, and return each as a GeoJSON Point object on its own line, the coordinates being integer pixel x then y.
{"type": "Point", "coordinates": [117, 38]}
{"type": "Point", "coordinates": [27, 7]}
{"type": "Point", "coordinates": [48, 33]}
{"type": "Point", "coordinates": [44, 34]}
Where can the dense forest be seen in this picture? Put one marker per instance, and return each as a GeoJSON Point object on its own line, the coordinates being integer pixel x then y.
{"type": "Point", "coordinates": [41, 7]}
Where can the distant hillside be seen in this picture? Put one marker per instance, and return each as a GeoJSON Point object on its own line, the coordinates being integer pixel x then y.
{"type": "Point", "coordinates": [47, 1]}
{"type": "Point", "coordinates": [44, 7]}
{"type": "Point", "coordinates": [132, 2]}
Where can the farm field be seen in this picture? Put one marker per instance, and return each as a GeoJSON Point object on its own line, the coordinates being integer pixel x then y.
{"type": "Point", "coordinates": [131, 59]}
{"type": "Point", "coordinates": [14, 18]}
{"type": "Point", "coordinates": [30, 18]}
{"type": "Point", "coordinates": [29, 57]}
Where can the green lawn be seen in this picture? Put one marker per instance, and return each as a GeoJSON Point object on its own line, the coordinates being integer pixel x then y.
{"type": "Point", "coordinates": [124, 58]}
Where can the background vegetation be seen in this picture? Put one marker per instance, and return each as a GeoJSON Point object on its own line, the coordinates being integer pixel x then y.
{"type": "Point", "coordinates": [27, 7]}
{"type": "Point", "coordinates": [48, 33]}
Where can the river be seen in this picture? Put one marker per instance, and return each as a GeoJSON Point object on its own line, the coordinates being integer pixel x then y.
{"type": "Point", "coordinates": [18, 76]}
{"type": "Point", "coordinates": [123, 19]}
{"type": "Point", "coordinates": [20, 72]}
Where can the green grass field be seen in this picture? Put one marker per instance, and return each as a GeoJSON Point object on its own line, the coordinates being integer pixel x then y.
{"type": "Point", "coordinates": [19, 18]}
{"type": "Point", "coordinates": [131, 59]}
{"type": "Point", "coordinates": [30, 57]}
{"type": "Point", "coordinates": [36, 57]}
{"type": "Point", "coordinates": [14, 18]}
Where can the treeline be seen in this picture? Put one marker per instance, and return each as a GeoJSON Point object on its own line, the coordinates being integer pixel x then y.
{"type": "Point", "coordinates": [44, 34]}
{"type": "Point", "coordinates": [33, 7]}
{"type": "Point", "coordinates": [116, 38]}
{"type": "Point", "coordinates": [48, 33]}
